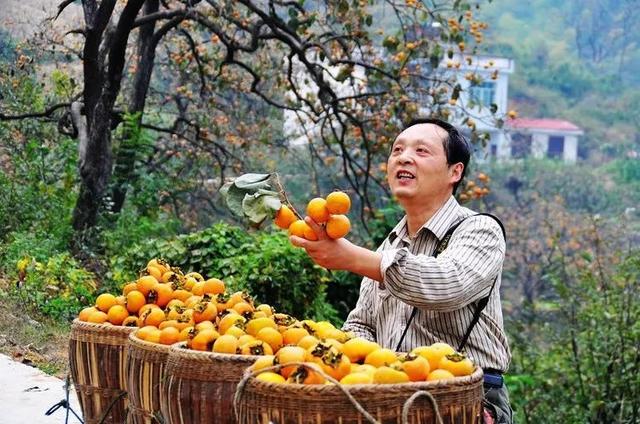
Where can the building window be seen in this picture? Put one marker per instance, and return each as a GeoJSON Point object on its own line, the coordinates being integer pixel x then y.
{"type": "Point", "coordinates": [483, 94]}
{"type": "Point", "coordinates": [520, 145]}
{"type": "Point", "coordinates": [556, 147]}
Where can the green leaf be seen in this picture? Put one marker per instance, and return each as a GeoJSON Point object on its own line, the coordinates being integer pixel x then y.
{"type": "Point", "coordinates": [258, 206]}
{"type": "Point", "coordinates": [233, 196]}
{"type": "Point", "coordinates": [252, 181]}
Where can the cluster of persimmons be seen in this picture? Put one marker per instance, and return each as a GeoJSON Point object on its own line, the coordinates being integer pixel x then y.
{"type": "Point", "coordinates": [169, 307]}
{"type": "Point", "coordinates": [329, 213]}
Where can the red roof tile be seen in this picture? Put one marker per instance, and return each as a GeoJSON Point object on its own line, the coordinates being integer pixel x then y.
{"type": "Point", "coordinates": [542, 124]}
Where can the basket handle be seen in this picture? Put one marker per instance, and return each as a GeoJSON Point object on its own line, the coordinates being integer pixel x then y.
{"type": "Point", "coordinates": [240, 414]}
{"type": "Point", "coordinates": [409, 402]}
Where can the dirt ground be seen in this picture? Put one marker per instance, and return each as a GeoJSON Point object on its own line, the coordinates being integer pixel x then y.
{"type": "Point", "coordinates": [34, 341]}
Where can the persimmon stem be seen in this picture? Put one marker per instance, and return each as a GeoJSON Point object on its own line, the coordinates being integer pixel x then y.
{"type": "Point", "coordinates": [283, 195]}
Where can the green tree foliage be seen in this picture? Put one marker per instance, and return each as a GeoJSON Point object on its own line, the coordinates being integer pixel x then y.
{"type": "Point", "coordinates": [264, 264]}
{"type": "Point", "coordinates": [579, 362]}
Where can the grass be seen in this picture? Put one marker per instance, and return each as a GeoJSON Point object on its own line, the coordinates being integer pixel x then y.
{"type": "Point", "coordinates": [32, 339]}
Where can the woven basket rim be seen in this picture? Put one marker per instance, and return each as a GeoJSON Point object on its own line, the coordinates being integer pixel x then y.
{"type": "Point", "coordinates": [117, 330]}
{"type": "Point", "coordinates": [179, 350]}
{"type": "Point", "coordinates": [368, 389]}
{"type": "Point", "coordinates": [138, 343]}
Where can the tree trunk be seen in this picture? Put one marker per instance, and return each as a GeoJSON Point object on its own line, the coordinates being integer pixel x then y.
{"type": "Point", "coordinates": [123, 172]}
{"type": "Point", "coordinates": [95, 168]}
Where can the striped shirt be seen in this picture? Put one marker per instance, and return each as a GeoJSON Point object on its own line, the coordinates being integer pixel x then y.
{"type": "Point", "coordinates": [445, 289]}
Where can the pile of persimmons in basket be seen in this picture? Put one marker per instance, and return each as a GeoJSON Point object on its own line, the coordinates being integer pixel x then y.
{"type": "Point", "coordinates": [169, 307]}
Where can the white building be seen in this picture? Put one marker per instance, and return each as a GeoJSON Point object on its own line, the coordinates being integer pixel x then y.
{"type": "Point", "coordinates": [541, 138]}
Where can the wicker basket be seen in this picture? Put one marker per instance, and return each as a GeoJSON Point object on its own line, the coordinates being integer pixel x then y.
{"type": "Point", "coordinates": [98, 361]}
{"type": "Point", "coordinates": [145, 372]}
{"type": "Point", "coordinates": [199, 386]}
{"type": "Point", "coordinates": [458, 401]}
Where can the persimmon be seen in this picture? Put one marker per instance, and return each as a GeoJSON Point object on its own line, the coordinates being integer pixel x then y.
{"type": "Point", "coordinates": [268, 310]}
{"type": "Point", "coordinates": [230, 319]}
{"type": "Point", "coordinates": [168, 323]}
{"type": "Point", "coordinates": [284, 217]}
{"type": "Point", "coordinates": [388, 375]}
{"type": "Point", "coordinates": [358, 348]}
{"type": "Point", "coordinates": [457, 364]}
{"type": "Point", "coordinates": [97, 317]}
{"type": "Point", "coordinates": [204, 339]}
{"type": "Point", "coordinates": [416, 367]}
{"type": "Point", "coordinates": [84, 314]}
{"type": "Point", "coordinates": [307, 341]}
{"type": "Point", "coordinates": [309, 233]}
{"type": "Point", "coordinates": [143, 332]}
{"type": "Point", "coordinates": [235, 331]}
{"type": "Point", "coordinates": [213, 286]}
{"type": "Point", "coordinates": [271, 336]}
{"type": "Point", "coordinates": [226, 344]}
{"type": "Point", "coordinates": [257, 347]}
{"type": "Point", "coordinates": [130, 321]}
{"type": "Point", "coordinates": [288, 354]}
{"type": "Point", "coordinates": [357, 378]}
{"type": "Point", "coordinates": [181, 294]}
{"type": "Point", "coordinates": [155, 272]}
{"type": "Point", "coordinates": [434, 353]}
{"type": "Point", "coordinates": [129, 287]}
{"type": "Point", "coordinates": [198, 288]}
{"type": "Point", "coordinates": [338, 203]}
{"type": "Point", "coordinates": [338, 226]}
{"type": "Point", "coordinates": [135, 301]}
{"type": "Point", "coordinates": [174, 311]}
{"type": "Point", "coordinates": [252, 327]}
{"type": "Point", "coordinates": [146, 283]}
{"type": "Point", "coordinates": [381, 357]}
{"type": "Point", "coordinates": [306, 374]}
{"type": "Point", "coordinates": [169, 335]}
{"type": "Point", "coordinates": [205, 311]}
{"type": "Point", "coordinates": [438, 374]}
{"type": "Point", "coordinates": [331, 360]}
{"type": "Point", "coordinates": [317, 210]}
{"type": "Point", "coordinates": [160, 294]}
{"type": "Point", "coordinates": [117, 314]}
{"type": "Point", "coordinates": [243, 307]}
{"type": "Point", "coordinates": [153, 316]}
{"type": "Point", "coordinates": [105, 301]}
{"type": "Point", "coordinates": [292, 335]}
{"type": "Point", "coordinates": [186, 333]}
{"type": "Point", "coordinates": [271, 377]}
{"type": "Point", "coordinates": [154, 336]}
{"type": "Point", "coordinates": [195, 275]}
{"type": "Point", "coordinates": [297, 228]}
{"type": "Point", "coordinates": [244, 339]}
{"type": "Point", "coordinates": [263, 362]}
{"type": "Point", "coordinates": [161, 264]}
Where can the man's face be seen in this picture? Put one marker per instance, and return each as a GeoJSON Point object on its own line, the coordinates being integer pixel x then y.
{"type": "Point", "coordinates": [417, 166]}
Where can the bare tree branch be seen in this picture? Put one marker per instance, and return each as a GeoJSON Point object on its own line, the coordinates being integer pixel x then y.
{"type": "Point", "coordinates": [46, 113]}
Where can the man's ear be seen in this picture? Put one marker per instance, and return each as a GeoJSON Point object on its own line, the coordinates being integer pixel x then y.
{"type": "Point", "coordinates": [456, 171]}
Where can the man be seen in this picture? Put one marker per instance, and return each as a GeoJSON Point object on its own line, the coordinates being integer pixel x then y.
{"type": "Point", "coordinates": [427, 162]}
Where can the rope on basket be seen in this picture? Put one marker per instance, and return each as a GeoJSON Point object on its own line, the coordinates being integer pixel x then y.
{"type": "Point", "coordinates": [240, 414]}
{"type": "Point", "coordinates": [409, 402]}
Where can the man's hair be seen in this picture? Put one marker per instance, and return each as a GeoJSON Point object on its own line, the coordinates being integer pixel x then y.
{"type": "Point", "coordinates": [456, 147]}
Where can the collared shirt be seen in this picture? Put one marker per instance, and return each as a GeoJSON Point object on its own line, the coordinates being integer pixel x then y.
{"type": "Point", "coordinates": [445, 289]}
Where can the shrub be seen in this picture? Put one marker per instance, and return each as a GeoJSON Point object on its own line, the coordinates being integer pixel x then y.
{"type": "Point", "coordinates": [57, 287]}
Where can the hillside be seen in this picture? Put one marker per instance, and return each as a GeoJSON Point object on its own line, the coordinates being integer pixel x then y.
{"type": "Point", "coordinates": [576, 60]}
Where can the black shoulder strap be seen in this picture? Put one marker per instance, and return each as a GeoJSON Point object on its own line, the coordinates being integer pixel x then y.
{"type": "Point", "coordinates": [482, 303]}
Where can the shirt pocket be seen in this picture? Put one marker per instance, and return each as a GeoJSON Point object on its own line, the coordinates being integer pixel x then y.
{"type": "Point", "coordinates": [381, 305]}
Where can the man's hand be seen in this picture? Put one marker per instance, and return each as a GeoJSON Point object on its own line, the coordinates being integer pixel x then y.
{"type": "Point", "coordinates": [328, 253]}
{"type": "Point", "coordinates": [339, 254]}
